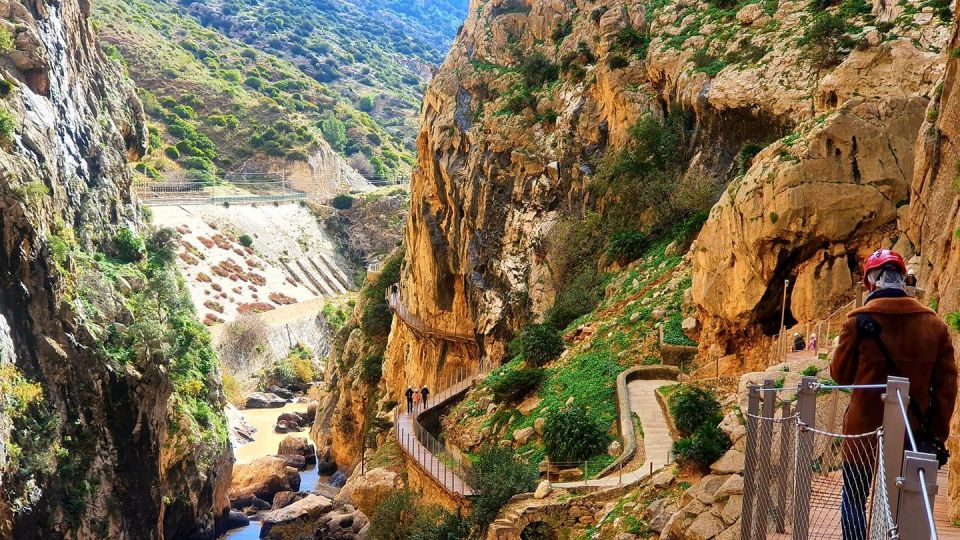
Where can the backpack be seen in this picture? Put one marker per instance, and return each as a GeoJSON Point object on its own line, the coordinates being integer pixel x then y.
{"type": "Point", "coordinates": [926, 441]}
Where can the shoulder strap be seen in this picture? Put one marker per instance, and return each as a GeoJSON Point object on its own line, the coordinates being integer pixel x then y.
{"type": "Point", "coordinates": [868, 327]}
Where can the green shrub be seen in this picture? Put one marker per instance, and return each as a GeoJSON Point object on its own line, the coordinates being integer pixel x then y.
{"type": "Point", "coordinates": [515, 384]}
{"type": "Point", "coordinates": [953, 319]}
{"type": "Point", "coordinates": [616, 61]}
{"type": "Point", "coordinates": [571, 434]}
{"type": "Point", "coordinates": [128, 246]}
{"type": "Point", "coordinates": [537, 70]}
{"type": "Point", "coordinates": [394, 516]}
{"type": "Point", "coordinates": [823, 39]}
{"type": "Point", "coordinates": [436, 523]}
{"type": "Point", "coordinates": [6, 41]}
{"type": "Point", "coordinates": [576, 299]}
{"type": "Point", "coordinates": [371, 370]}
{"type": "Point", "coordinates": [692, 406]}
{"type": "Point", "coordinates": [540, 343]}
{"type": "Point", "coordinates": [627, 246]}
{"type": "Point", "coordinates": [172, 152]}
{"type": "Point", "coordinates": [496, 476]}
{"type": "Point", "coordinates": [376, 318]}
{"type": "Point", "coordinates": [707, 444]}
{"type": "Point", "coordinates": [342, 202]}
{"type": "Point", "coordinates": [8, 124]}
{"type": "Point", "coordinates": [245, 240]}
{"type": "Point", "coordinates": [810, 371]}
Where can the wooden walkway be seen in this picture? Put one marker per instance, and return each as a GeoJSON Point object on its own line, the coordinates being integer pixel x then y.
{"type": "Point", "coordinates": [446, 469]}
{"type": "Point", "coordinates": [420, 326]}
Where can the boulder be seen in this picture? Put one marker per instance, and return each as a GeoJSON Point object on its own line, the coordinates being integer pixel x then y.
{"type": "Point", "coordinates": [657, 314]}
{"type": "Point", "coordinates": [297, 462]}
{"type": "Point", "coordinates": [522, 436]}
{"type": "Point", "coordinates": [292, 418]}
{"type": "Point", "coordinates": [538, 425]}
{"type": "Point", "coordinates": [311, 413]}
{"type": "Point", "coordinates": [282, 392]}
{"type": "Point", "coordinates": [286, 498]}
{"type": "Point", "coordinates": [311, 507]}
{"type": "Point", "coordinates": [263, 477]}
{"type": "Point", "coordinates": [615, 449]}
{"type": "Point", "coordinates": [284, 426]}
{"type": "Point", "coordinates": [704, 527]}
{"type": "Point", "coordinates": [257, 504]}
{"type": "Point", "coordinates": [543, 489]}
{"type": "Point", "coordinates": [749, 14]}
{"type": "Point", "coordinates": [568, 475]}
{"type": "Point", "coordinates": [235, 520]}
{"type": "Point", "coordinates": [293, 478]}
{"type": "Point", "coordinates": [729, 463]}
{"type": "Point", "coordinates": [690, 325]}
{"type": "Point", "coordinates": [733, 486]}
{"type": "Point", "coordinates": [263, 400]}
{"type": "Point", "coordinates": [346, 523]}
{"type": "Point", "coordinates": [297, 446]}
{"type": "Point", "coordinates": [367, 490]}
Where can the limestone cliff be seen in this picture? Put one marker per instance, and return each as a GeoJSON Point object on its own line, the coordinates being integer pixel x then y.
{"type": "Point", "coordinates": [111, 426]}
{"type": "Point", "coordinates": [808, 113]}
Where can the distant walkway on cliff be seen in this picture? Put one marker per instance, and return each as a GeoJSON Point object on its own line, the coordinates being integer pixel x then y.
{"type": "Point", "coordinates": [657, 442]}
{"type": "Point", "coordinates": [419, 326]}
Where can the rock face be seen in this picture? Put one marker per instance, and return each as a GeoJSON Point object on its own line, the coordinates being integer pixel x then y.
{"type": "Point", "coordinates": [783, 220]}
{"type": "Point", "coordinates": [102, 433]}
{"type": "Point", "coordinates": [367, 491]}
{"type": "Point", "coordinates": [263, 478]}
{"type": "Point", "coordinates": [932, 220]}
{"type": "Point", "coordinates": [498, 179]}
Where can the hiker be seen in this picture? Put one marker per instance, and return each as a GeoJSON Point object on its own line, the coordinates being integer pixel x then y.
{"type": "Point", "coordinates": [409, 394]}
{"type": "Point", "coordinates": [798, 342]}
{"type": "Point", "coordinates": [891, 335]}
{"type": "Point", "coordinates": [425, 392]}
{"type": "Point", "coordinates": [416, 400]}
{"type": "Point", "coordinates": [812, 345]}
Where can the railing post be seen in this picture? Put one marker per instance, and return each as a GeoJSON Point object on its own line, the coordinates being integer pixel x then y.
{"type": "Point", "coordinates": [913, 520]}
{"type": "Point", "coordinates": [765, 445]}
{"type": "Point", "coordinates": [750, 464]}
{"type": "Point", "coordinates": [807, 415]}
{"type": "Point", "coordinates": [784, 463]}
{"type": "Point", "coordinates": [894, 430]}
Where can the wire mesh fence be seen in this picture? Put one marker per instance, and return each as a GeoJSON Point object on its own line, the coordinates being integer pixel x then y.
{"type": "Point", "coordinates": [804, 478]}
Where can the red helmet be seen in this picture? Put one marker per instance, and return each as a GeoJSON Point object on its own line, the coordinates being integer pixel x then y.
{"type": "Point", "coordinates": [880, 258]}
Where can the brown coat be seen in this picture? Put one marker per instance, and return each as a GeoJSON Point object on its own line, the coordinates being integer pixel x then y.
{"type": "Point", "coordinates": [919, 342]}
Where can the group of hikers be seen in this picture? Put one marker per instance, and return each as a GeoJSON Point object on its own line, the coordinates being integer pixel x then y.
{"type": "Point", "coordinates": [799, 344]}
{"type": "Point", "coordinates": [417, 398]}
{"type": "Point", "coordinates": [891, 335]}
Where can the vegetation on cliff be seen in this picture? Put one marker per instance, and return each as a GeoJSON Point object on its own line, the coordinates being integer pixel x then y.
{"type": "Point", "coordinates": [217, 102]}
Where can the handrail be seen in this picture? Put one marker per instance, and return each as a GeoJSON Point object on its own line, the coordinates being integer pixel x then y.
{"type": "Point", "coordinates": [419, 325]}
{"type": "Point", "coordinates": [906, 421]}
{"type": "Point", "coordinates": [451, 471]}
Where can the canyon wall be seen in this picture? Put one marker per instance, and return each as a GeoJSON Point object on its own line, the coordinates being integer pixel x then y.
{"type": "Point", "coordinates": [98, 440]}
{"type": "Point", "coordinates": [805, 137]}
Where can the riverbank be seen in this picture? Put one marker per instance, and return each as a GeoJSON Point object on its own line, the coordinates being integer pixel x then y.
{"type": "Point", "coordinates": [266, 443]}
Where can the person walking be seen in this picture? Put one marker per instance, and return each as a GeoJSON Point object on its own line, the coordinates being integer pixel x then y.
{"type": "Point", "coordinates": [812, 346]}
{"type": "Point", "coordinates": [798, 342]}
{"type": "Point", "coordinates": [409, 394]}
{"type": "Point", "coordinates": [891, 335]}
{"type": "Point", "coordinates": [425, 392]}
{"type": "Point", "coordinates": [416, 401]}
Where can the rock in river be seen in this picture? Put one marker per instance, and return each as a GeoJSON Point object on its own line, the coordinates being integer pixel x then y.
{"type": "Point", "coordinates": [263, 400]}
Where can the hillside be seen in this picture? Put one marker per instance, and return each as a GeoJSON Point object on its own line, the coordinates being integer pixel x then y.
{"type": "Point", "coordinates": [218, 105]}
{"type": "Point", "coordinates": [377, 54]}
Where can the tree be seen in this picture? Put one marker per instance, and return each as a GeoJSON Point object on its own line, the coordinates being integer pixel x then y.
{"type": "Point", "coordinates": [162, 245]}
{"type": "Point", "coordinates": [165, 294]}
{"type": "Point", "coordinates": [334, 132]}
{"type": "Point", "coordinates": [496, 476]}
{"type": "Point", "coordinates": [540, 343]}
{"type": "Point", "coordinates": [824, 37]}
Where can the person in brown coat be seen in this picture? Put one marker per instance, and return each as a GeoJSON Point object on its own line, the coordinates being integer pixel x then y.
{"type": "Point", "coordinates": [920, 346]}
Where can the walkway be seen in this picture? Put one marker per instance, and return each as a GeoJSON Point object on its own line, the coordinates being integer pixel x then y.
{"type": "Point", "coordinates": [657, 441]}
{"type": "Point", "coordinates": [446, 469]}
{"type": "Point", "coordinates": [420, 326]}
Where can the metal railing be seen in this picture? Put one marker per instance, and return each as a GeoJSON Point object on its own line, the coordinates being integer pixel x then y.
{"type": "Point", "coordinates": [804, 479]}
{"type": "Point", "coordinates": [781, 344]}
{"type": "Point", "coordinates": [420, 326]}
{"type": "Point", "coordinates": [450, 469]}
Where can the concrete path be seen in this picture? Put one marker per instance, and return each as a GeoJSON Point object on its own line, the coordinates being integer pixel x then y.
{"type": "Point", "coordinates": [657, 441]}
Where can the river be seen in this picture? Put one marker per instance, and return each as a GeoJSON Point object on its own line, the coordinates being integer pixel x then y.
{"type": "Point", "coordinates": [266, 443]}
